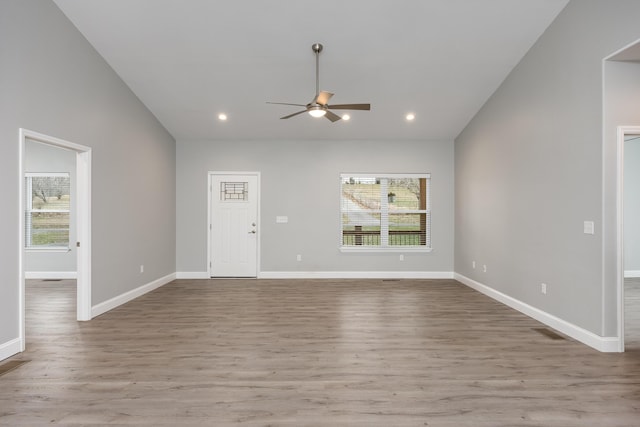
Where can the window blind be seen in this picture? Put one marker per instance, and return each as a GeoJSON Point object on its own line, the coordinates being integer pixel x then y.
{"type": "Point", "coordinates": [385, 210]}
{"type": "Point", "coordinates": [47, 210]}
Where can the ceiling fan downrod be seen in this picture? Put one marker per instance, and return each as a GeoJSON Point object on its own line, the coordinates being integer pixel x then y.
{"type": "Point", "coordinates": [317, 48]}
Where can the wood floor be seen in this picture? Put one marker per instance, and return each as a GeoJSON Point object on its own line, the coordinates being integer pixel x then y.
{"type": "Point", "coordinates": [312, 353]}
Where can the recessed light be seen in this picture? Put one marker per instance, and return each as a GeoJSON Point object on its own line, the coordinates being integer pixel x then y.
{"type": "Point", "coordinates": [222, 117]}
{"type": "Point", "coordinates": [346, 117]}
{"type": "Point", "coordinates": [410, 117]}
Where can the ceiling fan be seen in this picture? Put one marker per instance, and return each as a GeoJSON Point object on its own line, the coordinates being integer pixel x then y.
{"type": "Point", "coordinates": [320, 105]}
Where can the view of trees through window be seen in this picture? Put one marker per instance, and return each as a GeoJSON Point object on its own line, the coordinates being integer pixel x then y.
{"type": "Point", "coordinates": [48, 205]}
{"type": "Point", "coordinates": [385, 211]}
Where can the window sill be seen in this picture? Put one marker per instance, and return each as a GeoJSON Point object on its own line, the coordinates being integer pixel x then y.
{"type": "Point", "coordinates": [373, 249]}
{"type": "Point", "coordinates": [52, 249]}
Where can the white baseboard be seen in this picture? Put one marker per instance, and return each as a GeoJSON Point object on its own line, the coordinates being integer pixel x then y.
{"type": "Point", "coordinates": [10, 348]}
{"type": "Point", "coordinates": [103, 307]}
{"type": "Point", "coordinates": [332, 275]}
{"type": "Point", "coordinates": [631, 273]}
{"type": "Point", "coordinates": [192, 275]}
{"type": "Point", "coordinates": [355, 275]}
{"type": "Point", "coordinates": [603, 344]}
{"type": "Point", "coordinates": [50, 275]}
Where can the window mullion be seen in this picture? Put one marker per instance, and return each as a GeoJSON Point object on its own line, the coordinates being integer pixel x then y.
{"type": "Point", "coordinates": [384, 212]}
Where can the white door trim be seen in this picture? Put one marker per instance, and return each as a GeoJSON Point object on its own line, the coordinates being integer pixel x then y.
{"type": "Point", "coordinates": [622, 131]}
{"type": "Point", "coordinates": [209, 222]}
{"type": "Point", "coordinates": [83, 214]}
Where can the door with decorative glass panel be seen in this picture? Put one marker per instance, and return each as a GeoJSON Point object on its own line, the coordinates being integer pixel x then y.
{"type": "Point", "coordinates": [233, 225]}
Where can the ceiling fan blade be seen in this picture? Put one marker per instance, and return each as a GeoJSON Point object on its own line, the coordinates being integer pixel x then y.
{"type": "Point", "coordinates": [286, 103]}
{"type": "Point", "coordinates": [294, 114]}
{"type": "Point", "coordinates": [332, 116]}
{"type": "Point", "coordinates": [350, 107]}
{"type": "Point", "coordinates": [322, 98]}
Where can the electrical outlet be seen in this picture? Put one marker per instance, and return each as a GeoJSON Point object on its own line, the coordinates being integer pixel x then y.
{"type": "Point", "coordinates": [401, 257]}
{"type": "Point", "coordinates": [589, 227]}
{"type": "Point", "coordinates": [484, 268]}
{"type": "Point", "coordinates": [141, 268]}
{"type": "Point", "coordinates": [543, 288]}
{"type": "Point", "coordinates": [298, 257]}
{"type": "Point", "coordinates": [473, 264]}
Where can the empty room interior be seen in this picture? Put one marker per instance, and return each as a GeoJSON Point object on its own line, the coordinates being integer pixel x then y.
{"type": "Point", "coordinates": [342, 213]}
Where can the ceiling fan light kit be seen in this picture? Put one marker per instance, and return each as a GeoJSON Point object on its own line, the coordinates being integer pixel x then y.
{"type": "Point", "coordinates": [320, 107]}
{"type": "Point", "coordinates": [317, 111]}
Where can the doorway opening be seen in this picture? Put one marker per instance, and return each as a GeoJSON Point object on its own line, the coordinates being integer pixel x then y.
{"type": "Point", "coordinates": [628, 283]}
{"type": "Point", "coordinates": [82, 213]}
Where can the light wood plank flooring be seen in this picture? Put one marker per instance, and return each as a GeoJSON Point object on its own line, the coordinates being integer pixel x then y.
{"type": "Point", "coordinates": [311, 353]}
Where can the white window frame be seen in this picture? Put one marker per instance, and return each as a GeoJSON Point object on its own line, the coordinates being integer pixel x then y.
{"type": "Point", "coordinates": [28, 209]}
{"type": "Point", "coordinates": [384, 206]}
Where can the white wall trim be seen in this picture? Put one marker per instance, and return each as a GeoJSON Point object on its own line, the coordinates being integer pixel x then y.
{"type": "Point", "coordinates": [192, 275]}
{"type": "Point", "coordinates": [355, 275]}
{"type": "Point", "coordinates": [83, 224]}
{"type": "Point", "coordinates": [332, 275]}
{"type": "Point", "coordinates": [10, 348]}
{"type": "Point", "coordinates": [50, 275]}
{"type": "Point", "coordinates": [103, 307]}
{"type": "Point", "coordinates": [604, 344]}
{"type": "Point", "coordinates": [632, 273]}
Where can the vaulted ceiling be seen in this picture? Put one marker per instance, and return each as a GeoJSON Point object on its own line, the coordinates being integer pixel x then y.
{"type": "Point", "coordinates": [189, 60]}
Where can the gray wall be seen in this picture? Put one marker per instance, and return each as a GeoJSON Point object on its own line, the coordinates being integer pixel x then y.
{"type": "Point", "coordinates": [632, 206]}
{"type": "Point", "coordinates": [529, 171]}
{"type": "Point", "coordinates": [300, 179]}
{"type": "Point", "coordinates": [53, 82]}
{"type": "Point", "coordinates": [46, 158]}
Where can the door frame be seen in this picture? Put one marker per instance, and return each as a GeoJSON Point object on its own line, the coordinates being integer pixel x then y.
{"type": "Point", "coordinates": [210, 176]}
{"type": "Point", "coordinates": [621, 133]}
{"type": "Point", "coordinates": [83, 223]}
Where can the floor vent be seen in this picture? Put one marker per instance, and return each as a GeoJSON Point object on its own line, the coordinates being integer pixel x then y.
{"type": "Point", "coordinates": [11, 365]}
{"type": "Point", "coordinates": [549, 333]}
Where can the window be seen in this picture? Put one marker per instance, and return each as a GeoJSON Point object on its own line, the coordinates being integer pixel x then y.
{"type": "Point", "coordinates": [48, 204]}
{"type": "Point", "coordinates": [234, 191]}
{"type": "Point", "coordinates": [385, 212]}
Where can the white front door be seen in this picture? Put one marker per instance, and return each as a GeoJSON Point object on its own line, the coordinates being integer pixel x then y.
{"type": "Point", "coordinates": [234, 225]}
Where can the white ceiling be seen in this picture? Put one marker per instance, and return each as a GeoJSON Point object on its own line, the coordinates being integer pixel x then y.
{"type": "Point", "coordinates": [188, 60]}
